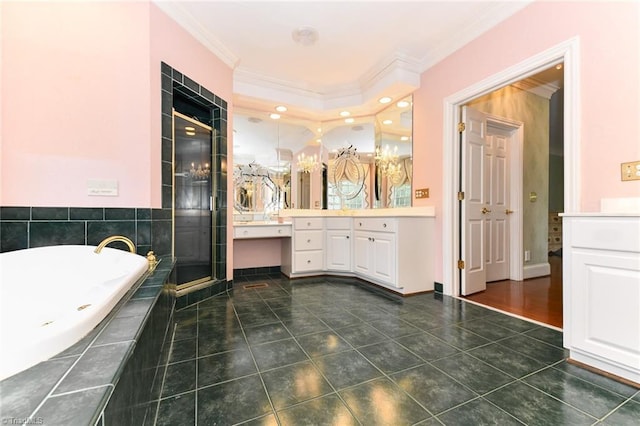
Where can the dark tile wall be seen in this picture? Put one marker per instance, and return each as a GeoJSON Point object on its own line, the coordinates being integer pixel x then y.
{"type": "Point", "coordinates": [27, 227]}
{"type": "Point", "coordinates": [175, 82]}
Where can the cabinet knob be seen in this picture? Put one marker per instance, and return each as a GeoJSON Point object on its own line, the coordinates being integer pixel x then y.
{"type": "Point", "coordinates": [279, 231]}
{"type": "Point", "coordinates": [309, 240]}
{"type": "Point", "coordinates": [384, 225]}
{"type": "Point", "coordinates": [246, 232]}
{"type": "Point", "coordinates": [308, 261]}
{"type": "Point", "coordinates": [347, 237]}
{"type": "Point", "coordinates": [308, 223]}
{"type": "Point", "coordinates": [359, 223]}
{"type": "Point", "coordinates": [373, 239]}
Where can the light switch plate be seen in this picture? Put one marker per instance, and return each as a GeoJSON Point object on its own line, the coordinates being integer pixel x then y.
{"type": "Point", "coordinates": [422, 193]}
{"type": "Point", "coordinates": [102, 187]}
{"type": "Point", "coordinates": [630, 171]}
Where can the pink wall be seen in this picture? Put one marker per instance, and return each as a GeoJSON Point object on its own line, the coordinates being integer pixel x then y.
{"type": "Point", "coordinates": [81, 100]}
{"type": "Point", "coordinates": [257, 253]}
{"type": "Point", "coordinates": [75, 103]}
{"type": "Point", "coordinates": [609, 35]}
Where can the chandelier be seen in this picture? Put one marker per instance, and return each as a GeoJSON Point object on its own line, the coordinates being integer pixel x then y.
{"type": "Point", "coordinates": [200, 173]}
{"type": "Point", "coordinates": [387, 160]}
{"type": "Point", "coordinates": [307, 163]}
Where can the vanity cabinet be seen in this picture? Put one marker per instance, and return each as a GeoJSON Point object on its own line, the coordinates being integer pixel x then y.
{"type": "Point", "coordinates": [601, 291]}
{"type": "Point", "coordinates": [375, 252]}
{"type": "Point", "coordinates": [338, 244]}
{"type": "Point", "coordinates": [304, 252]}
{"type": "Point", "coordinates": [393, 252]}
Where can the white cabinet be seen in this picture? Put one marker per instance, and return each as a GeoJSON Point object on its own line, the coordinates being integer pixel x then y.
{"type": "Point", "coordinates": [338, 244]}
{"type": "Point", "coordinates": [304, 252]}
{"type": "Point", "coordinates": [601, 294]}
{"type": "Point", "coordinates": [249, 231]}
{"type": "Point", "coordinates": [393, 252]}
{"type": "Point", "coordinates": [375, 253]}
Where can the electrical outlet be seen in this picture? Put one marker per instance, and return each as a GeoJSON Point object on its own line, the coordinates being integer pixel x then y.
{"type": "Point", "coordinates": [527, 256]}
{"type": "Point", "coordinates": [422, 193]}
{"type": "Point", "coordinates": [630, 171]}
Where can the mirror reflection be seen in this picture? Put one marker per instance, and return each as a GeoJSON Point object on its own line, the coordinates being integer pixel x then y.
{"type": "Point", "coordinates": [297, 163]}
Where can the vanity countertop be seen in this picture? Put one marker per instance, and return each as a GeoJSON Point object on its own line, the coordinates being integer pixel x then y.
{"type": "Point", "coordinates": [427, 211]}
{"type": "Point", "coordinates": [262, 223]}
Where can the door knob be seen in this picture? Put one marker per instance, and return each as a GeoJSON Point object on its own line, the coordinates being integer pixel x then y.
{"type": "Point", "coordinates": [485, 210]}
{"type": "Point", "coordinates": [507, 211]}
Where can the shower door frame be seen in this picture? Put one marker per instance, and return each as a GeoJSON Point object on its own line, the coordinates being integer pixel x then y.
{"type": "Point", "coordinates": [204, 281]}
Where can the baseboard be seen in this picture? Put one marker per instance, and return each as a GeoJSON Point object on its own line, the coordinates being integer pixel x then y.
{"type": "Point", "coordinates": [536, 270]}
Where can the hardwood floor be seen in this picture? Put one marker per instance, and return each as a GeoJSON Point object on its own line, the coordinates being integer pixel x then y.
{"type": "Point", "coordinates": [537, 298]}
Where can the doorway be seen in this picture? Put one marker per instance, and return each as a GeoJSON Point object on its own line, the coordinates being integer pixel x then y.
{"type": "Point", "coordinates": [193, 202]}
{"type": "Point", "coordinates": [566, 53]}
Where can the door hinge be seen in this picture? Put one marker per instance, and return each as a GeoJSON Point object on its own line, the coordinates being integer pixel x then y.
{"type": "Point", "coordinates": [460, 264]}
{"type": "Point", "coordinates": [461, 127]}
{"type": "Point", "coordinates": [460, 195]}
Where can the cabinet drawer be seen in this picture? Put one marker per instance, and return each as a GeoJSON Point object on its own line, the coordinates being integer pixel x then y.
{"type": "Point", "coordinates": [338, 222]}
{"type": "Point", "coordinates": [380, 224]}
{"type": "Point", "coordinates": [307, 223]}
{"type": "Point", "coordinates": [307, 261]}
{"type": "Point", "coordinates": [308, 240]}
{"type": "Point", "coordinates": [261, 231]}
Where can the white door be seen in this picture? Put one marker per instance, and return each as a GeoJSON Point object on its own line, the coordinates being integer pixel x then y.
{"type": "Point", "coordinates": [338, 251]}
{"type": "Point", "coordinates": [497, 201]}
{"type": "Point", "coordinates": [362, 253]}
{"type": "Point", "coordinates": [384, 258]}
{"type": "Point", "coordinates": [473, 205]}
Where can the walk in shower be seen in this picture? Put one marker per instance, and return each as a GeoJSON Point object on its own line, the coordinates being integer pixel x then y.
{"type": "Point", "coordinates": [194, 227]}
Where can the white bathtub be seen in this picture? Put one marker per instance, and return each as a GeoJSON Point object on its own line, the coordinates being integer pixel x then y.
{"type": "Point", "coordinates": [51, 297]}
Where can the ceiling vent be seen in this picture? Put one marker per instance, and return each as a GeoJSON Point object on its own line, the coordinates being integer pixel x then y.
{"type": "Point", "coordinates": [305, 36]}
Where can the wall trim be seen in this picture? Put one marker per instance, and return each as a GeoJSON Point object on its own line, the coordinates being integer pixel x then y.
{"type": "Point", "coordinates": [536, 270]}
{"type": "Point", "coordinates": [567, 52]}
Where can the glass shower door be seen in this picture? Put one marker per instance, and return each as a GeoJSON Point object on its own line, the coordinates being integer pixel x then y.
{"type": "Point", "coordinates": [193, 209]}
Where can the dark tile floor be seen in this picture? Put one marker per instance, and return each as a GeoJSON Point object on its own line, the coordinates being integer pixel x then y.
{"type": "Point", "coordinates": [330, 351]}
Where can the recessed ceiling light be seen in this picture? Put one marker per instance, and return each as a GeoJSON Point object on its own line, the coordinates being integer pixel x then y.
{"type": "Point", "coordinates": [320, 129]}
{"type": "Point", "coordinates": [404, 138]}
{"type": "Point", "coordinates": [345, 114]}
{"type": "Point", "coordinates": [190, 129]}
{"type": "Point", "coordinates": [191, 133]}
{"type": "Point", "coordinates": [274, 116]}
{"type": "Point", "coordinates": [384, 100]}
{"type": "Point", "coordinates": [559, 66]}
{"type": "Point", "coordinates": [281, 108]}
{"type": "Point", "coordinates": [387, 122]}
{"type": "Point", "coordinates": [402, 104]}
{"type": "Point", "coordinates": [318, 140]}
{"type": "Point", "coordinates": [349, 120]}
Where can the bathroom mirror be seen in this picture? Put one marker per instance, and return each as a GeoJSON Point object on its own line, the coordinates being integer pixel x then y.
{"type": "Point", "coordinates": [290, 162]}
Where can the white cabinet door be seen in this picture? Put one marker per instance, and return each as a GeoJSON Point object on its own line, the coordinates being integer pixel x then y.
{"type": "Point", "coordinates": [383, 264]}
{"type": "Point", "coordinates": [362, 253]}
{"type": "Point", "coordinates": [338, 251]}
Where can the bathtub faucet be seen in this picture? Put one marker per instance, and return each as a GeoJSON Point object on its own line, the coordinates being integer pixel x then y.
{"type": "Point", "coordinates": [108, 240]}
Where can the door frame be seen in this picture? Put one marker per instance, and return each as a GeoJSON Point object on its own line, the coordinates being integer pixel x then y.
{"type": "Point", "coordinates": [567, 53]}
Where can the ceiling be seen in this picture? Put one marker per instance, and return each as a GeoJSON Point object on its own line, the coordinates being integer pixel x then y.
{"type": "Point", "coordinates": [364, 49]}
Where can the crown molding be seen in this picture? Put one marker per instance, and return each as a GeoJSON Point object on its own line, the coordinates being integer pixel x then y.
{"type": "Point", "coordinates": [397, 76]}
{"type": "Point", "coordinates": [183, 18]}
{"type": "Point", "coordinates": [537, 87]}
{"type": "Point", "coordinates": [494, 14]}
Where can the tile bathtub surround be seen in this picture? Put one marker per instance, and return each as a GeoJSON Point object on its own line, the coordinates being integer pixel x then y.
{"type": "Point", "coordinates": [113, 366]}
{"type": "Point", "coordinates": [331, 351]}
{"type": "Point", "coordinates": [26, 227]}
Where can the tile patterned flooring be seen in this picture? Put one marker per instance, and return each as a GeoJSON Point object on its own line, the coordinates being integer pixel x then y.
{"type": "Point", "coordinates": [331, 351]}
